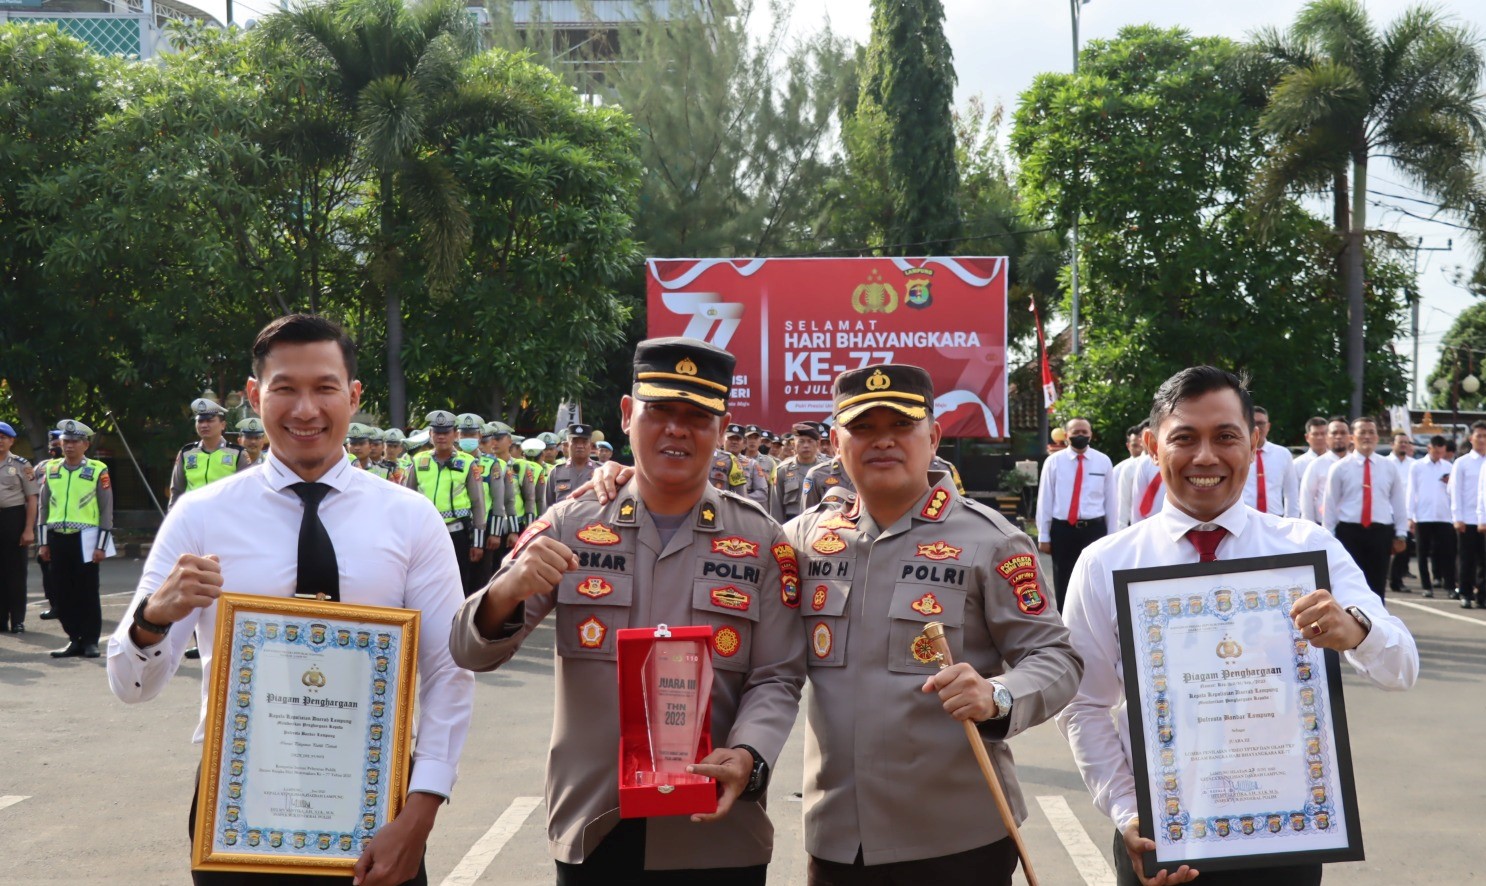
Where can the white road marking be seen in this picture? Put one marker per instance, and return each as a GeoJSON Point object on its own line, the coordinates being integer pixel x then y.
{"type": "Point", "coordinates": [474, 863]}
{"type": "Point", "coordinates": [1440, 612]}
{"type": "Point", "coordinates": [11, 800]}
{"type": "Point", "coordinates": [1090, 862]}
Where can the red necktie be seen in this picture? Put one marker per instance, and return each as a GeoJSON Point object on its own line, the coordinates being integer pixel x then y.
{"type": "Point", "coordinates": [1259, 468]}
{"type": "Point", "coordinates": [1078, 488]}
{"type": "Point", "coordinates": [1148, 500]}
{"type": "Point", "coordinates": [1367, 492]}
{"type": "Point", "coordinates": [1206, 542]}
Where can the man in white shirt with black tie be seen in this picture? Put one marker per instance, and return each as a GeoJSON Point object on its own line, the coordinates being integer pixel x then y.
{"type": "Point", "coordinates": [1365, 507]}
{"type": "Point", "coordinates": [1076, 501]}
{"type": "Point", "coordinates": [1465, 507]}
{"type": "Point", "coordinates": [1429, 517]}
{"type": "Point", "coordinates": [1202, 437]}
{"type": "Point", "coordinates": [309, 509]}
{"type": "Point", "coordinates": [1273, 486]}
{"type": "Point", "coordinates": [1313, 483]}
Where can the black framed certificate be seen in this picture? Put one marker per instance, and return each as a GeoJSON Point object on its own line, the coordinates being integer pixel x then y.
{"type": "Point", "coordinates": [308, 733]}
{"type": "Point", "coordinates": [1238, 730]}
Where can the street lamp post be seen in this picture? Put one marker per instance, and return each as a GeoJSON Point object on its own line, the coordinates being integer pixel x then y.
{"type": "Point", "coordinates": [1074, 6]}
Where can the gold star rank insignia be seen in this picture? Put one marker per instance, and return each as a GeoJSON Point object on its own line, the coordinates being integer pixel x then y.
{"type": "Point", "coordinates": [707, 517]}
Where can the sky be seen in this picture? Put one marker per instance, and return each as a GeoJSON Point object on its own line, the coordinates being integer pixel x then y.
{"type": "Point", "coordinates": [1000, 46]}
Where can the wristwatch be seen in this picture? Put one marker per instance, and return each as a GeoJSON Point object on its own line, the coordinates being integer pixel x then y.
{"type": "Point", "coordinates": [758, 779]}
{"type": "Point", "coordinates": [1002, 697]}
{"type": "Point", "coordinates": [142, 624]}
{"type": "Point", "coordinates": [1362, 619]}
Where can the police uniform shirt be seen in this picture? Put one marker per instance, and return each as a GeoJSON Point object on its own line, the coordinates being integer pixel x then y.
{"type": "Point", "coordinates": [824, 478]}
{"type": "Point", "coordinates": [1465, 492]}
{"type": "Point", "coordinates": [1429, 491]}
{"type": "Point", "coordinates": [417, 570]}
{"type": "Point", "coordinates": [1387, 657]}
{"type": "Point", "coordinates": [565, 478]}
{"type": "Point", "coordinates": [727, 566]}
{"type": "Point", "coordinates": [473, 485]}
{"type": "Point", "coordinates": [1097, 494]}
{"type": "Point", "coordinates": [1281, 484]}
{"type": "Point", "coordinates": [57, 472]}
{"type": "Point", "coordinates": [1313, 486]}
{"type": "Point", "coordinates": [17, 481]}
{"type": "Point", "coordinates": [791, 481]}
{"type": "Point", "coordinates": [886, 769]}
{"type": "Point", "coordinates": [1342, 502]}
{"type": "Point", "coordinates": [219, 464]}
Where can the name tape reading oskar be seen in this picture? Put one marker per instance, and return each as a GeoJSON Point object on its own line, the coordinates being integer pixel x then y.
{"type": "Point", "coordinates": [917, 814]}
{"type": "Point", "coordinates": [707, 558]}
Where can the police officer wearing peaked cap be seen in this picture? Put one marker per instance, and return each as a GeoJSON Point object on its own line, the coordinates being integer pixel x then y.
{"type": "Point", "coordinates": [756, 485]}
{"type": "Point", "coordinates": [17, 521]}
{"type": "Point", "coordinates": [74, 526]}
{"type": "Point", "coordinates": [207, 459]}
{"type": "Point", "coordinates": [725, 565]}
{"type": "Point", "coordinates": [250, 438]}
{"type": "Point", "coordinates": [577, 470]}
{"type": "Point", "coordinates": [920, 814]}
{"type": "Point", "coordinates": [451, 480]}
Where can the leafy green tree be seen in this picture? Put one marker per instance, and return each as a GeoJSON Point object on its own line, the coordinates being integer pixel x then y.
{"type": "Point", "coordinates": [1343, 93]}
{"type": "Point", "coordinates": [1462, 354]}
{"type": "Point", "coordinates": [1152, 146]}
{"type": "Point", "coordinates": [397, 69]}
{"type": "Point", "coordinates": [54, 90]}
{"type": "Point", "coordinates": [906, 109]}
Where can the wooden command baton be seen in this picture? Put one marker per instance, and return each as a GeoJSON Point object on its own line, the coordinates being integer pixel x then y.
{"type": "Point", "coordinates": [934, 633]}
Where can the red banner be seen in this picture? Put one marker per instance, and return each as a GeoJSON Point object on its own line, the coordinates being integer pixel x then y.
{"type": "Point", "coordinates": [795, 323]}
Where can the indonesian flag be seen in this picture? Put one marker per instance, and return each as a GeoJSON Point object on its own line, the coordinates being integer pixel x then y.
{"type": "Point", "coordinates": [1049, 386]}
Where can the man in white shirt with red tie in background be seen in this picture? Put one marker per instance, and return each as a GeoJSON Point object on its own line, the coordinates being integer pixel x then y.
{"type": "Point", "coordinates": [1076, 501]}
{"type": "Point", "coordinates": [1402, 454]}
{"type": "Point", "coordinates": [1202, 438]}
{"type": "Point", "coordinates": [1272, 486]}
{"type": "Point", "coordinates": [1122, 476]}
{"type": "Point", "coordinates": [1313, 482]}
{"type": "Point", "coordinates": [1364, 505]}
{"type": "Point", "coordinates": [1315, 438]}
{"type": "Point", "coordinates": [1147, 490]}
{"type": "Point", "coordinates": [1465, 499]}
{"type": "Point", "coordinates": [1429, 517]}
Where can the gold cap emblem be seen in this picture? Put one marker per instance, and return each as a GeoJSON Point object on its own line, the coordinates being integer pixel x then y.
{"type": "Point", "coordinates": [686, 367]}
{"type": "Point", "coordinates": [878, 381]}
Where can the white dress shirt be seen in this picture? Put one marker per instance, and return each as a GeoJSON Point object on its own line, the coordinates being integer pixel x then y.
{"type": "Point", "coordinates": [1281, 483]}
{"type": "Point", "coordinates": [1465, 491]}
{"type": "Point", "coordinates": [1313, 486]}
{"type": "Point", "coordinates": [1429, 491]}
{"type": "Point", "coordinates": [1343, 496]}
{"type": "Point", "coordinates": [1097, 496]}
{"type": "Point", "coordinates": [1387, 656]}
{"type": "Point", "coordinates": [1122, 488]}
{"type": "Point", "coordinates": [413, 569]}
{"type": "Point", "coordinates": [1303, 461]}
{"type": "Point", "coordinates": [1141, 478]}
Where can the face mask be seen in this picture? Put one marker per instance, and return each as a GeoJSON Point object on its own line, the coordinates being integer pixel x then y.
{"type": "Point", "coordinates": [469, 444]}
{"type": "Point", "coordinates": [1079, 441]}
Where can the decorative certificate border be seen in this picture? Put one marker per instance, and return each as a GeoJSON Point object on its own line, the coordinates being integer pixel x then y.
{"type": "Point", "coordinates": [252, 628]}
{"type": "Point", "coordinates": [1315, 822]}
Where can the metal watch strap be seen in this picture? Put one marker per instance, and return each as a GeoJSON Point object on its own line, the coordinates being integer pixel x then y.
{"type": "Point", "coordinates": [142, 624]}
{"type": "Point", "coordinates": [1003, 700]}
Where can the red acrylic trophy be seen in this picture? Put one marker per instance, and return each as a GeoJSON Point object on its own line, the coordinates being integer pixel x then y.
{"type": "Point", "coordinates": [665, 720]}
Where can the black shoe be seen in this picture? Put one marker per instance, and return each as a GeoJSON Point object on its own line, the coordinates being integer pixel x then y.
{"type": "Point", "coordinates": [1427, 593]}
{"type": "Point", "coordinates": [48, 615]}
{"type": "Point", "coordinates": [70, 650]}
{"type": "Point", "coordinates": [193, 653]}
{"type": "Point", "coordinates": [1396, 590]}
{"type": "Point", "coordinates": [20, 628]}
{"type": "Point", "coordinates": [1465, 603]}
{"type": "Point", "coordinates": [90, 650]}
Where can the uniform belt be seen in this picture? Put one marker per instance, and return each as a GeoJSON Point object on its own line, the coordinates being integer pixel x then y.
{"type": "Point", "coordinates": [1081, 524]}
{"type": "Point", "coordinates": [455, 526]}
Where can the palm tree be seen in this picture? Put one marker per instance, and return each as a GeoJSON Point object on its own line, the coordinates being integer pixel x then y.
{"type": "Point", "coordinates": [397, 67]}
{"type": "Point", "coordinates": [1341, 93]}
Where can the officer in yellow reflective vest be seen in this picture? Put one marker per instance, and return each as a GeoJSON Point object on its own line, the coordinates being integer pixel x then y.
{"type": "Point", "coordinates": [250, 438]}
{"type": "Point", "coordinates": [527, 469]}
{"type": "Point", "coordinates": [451, 480]}
{"type": "Point", "coordinates": [75, 523]}
{"type": "Point", "coordinates": [208, 459]}
{"type": "Point", "coordinates": [358, 443]}
{"type": "Point", "coordinates": [394, 440]}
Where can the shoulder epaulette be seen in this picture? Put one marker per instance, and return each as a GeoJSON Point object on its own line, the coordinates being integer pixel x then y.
{"type": "Point", "coordinates": [990, 514]}
{"type": "Point", "coordinates": [733, 496]}
{"type": "Point", "coordinates": [190, 446]}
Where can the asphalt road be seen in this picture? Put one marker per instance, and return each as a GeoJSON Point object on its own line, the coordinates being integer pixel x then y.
{"type": "Point", "coordinates": [106, 786]}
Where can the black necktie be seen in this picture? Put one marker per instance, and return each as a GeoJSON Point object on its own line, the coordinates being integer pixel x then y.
{"type": "Point", "coordinates": [318, 571]}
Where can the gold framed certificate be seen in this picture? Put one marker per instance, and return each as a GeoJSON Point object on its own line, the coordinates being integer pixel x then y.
{"type": "Point", "coordinates": [308, 733]}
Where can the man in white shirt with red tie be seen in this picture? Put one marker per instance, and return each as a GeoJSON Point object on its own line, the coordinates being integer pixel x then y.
{"type": "Point", "coordinates": [1202, 437]}
{"type": "Point", "coordinates": [1136, 449]}
{"type": "Point", "coordinates": [1076, 501]}
{"type": "Point", "coordinates": [1147, 490]}
{"type": "Point", "coordinates": [1429, 517]}
{"type": "Point", "coordinates": [1313, 481]}
{"type": "Point", "coordinates": [1315, 438]}
{"type": "Point", "coordinates": [1364, 505]}
{"type": "Point", "coordinates": [1465, 507]}
{"type": "Point", "coordinates": [1272, 486]}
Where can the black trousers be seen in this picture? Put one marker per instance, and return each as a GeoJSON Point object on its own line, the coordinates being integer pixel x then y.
{"type": "Point", "coordinates": [1293, 875]}
{"type": "Point", "coordinates": [75, 583]}
{"type": "Point", "coordinates": [1468, 563]}
{"type": "Point", "coordinates": [989, 865]}
{"type": "Point", "coordinates": [12, 567]}
{"type": "Point", "coordinates": [1400, 567]}
{"type": "Point", "coordinates": [1069, 540]}
{"type": "Point", "coordinates": [468, 572]}
{"type": "Point", "coordinates": [1436, 542]}
{"type": "Point", "coordinates": [619, 860]}
{"type": "Point", "coordinates": [1371, 547]}
{"type": "Point", "coordinates": [234, 878]}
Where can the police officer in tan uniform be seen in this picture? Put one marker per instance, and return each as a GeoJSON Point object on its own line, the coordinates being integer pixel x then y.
{"type": "Point", "coordinates": [831, 476]}
{"type": "Point", "coordinates": [669, 549]}
{"type": "Point", "coordinates": [574, 472]}
{"type": "Point", "coordinates": [892, 791]}
{"type": "Point", "coordinates": [792, 470]}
